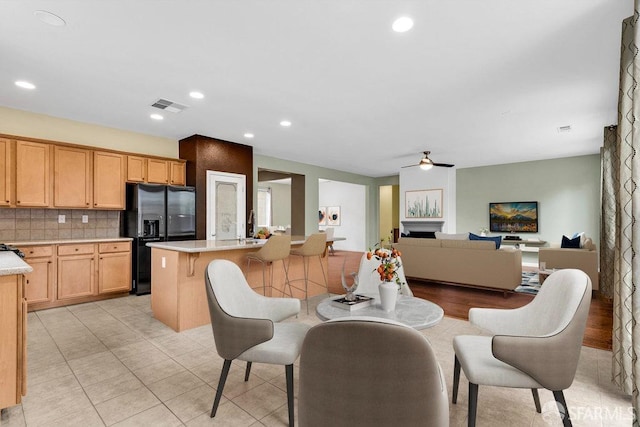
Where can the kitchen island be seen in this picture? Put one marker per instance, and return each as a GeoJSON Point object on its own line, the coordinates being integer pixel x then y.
{"type": "Point", "coordinates": [13, 329]}
{"type": "Point", "coordinates": [178, 297]}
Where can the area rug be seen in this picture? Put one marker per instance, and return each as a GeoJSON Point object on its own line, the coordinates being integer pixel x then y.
{"type": "Point", "coordinates": [530, 283]}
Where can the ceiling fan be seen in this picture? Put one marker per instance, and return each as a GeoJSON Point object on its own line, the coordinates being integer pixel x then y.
{"type": "Point", "coordinates": [426, 163]}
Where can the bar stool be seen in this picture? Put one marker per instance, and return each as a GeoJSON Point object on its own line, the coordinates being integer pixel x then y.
{"type": "Point", "coordinates": [315, 245]}
{"type": "Point", "coordinates": [276, 248]}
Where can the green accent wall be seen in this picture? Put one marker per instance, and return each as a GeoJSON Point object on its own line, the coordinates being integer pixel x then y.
{"type": "Point", "coordinates": [567, 191]}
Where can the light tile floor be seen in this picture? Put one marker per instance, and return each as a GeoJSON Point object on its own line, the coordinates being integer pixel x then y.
{"type": "Point", "coordinates": [111, 363]}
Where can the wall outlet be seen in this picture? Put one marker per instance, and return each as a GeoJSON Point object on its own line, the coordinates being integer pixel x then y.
{"type": "Point", "coordinates": [164, 262]}
{"type": "Point", "coordinates": [62, 219]}
{"type": "Point", "coordinates": [85, 219]}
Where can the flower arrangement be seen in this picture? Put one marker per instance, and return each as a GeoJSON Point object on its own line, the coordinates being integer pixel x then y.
{"type": "Point", "coordinates": [389, 263]}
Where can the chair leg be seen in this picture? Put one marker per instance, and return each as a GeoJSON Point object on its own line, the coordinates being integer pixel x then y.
{"type": "Point", "coordinates": [326, 282]}
{"type": "Point", "coordinates": [305, 265]}
{"type": "Point", "coordinates": [223, 379]}
{"type": "Point", "coordinates": [456, 380]}
{"type": "Point", "coordinates": [247, 371]}
{"type": "Point", "coordinates": [536, 400]}
{"type": "Point", "coordinates": [562, 408]}
{"type": "Point", "coordinates": [289, 374]}
{"type": "Point", "coordinates": [473, 404]}
{"type": "Point", "coordinates": [286, 279]}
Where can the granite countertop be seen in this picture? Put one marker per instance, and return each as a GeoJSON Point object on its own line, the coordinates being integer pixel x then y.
{"type": "Point", "coordinates": [10, 264]}
{"type": "Point", "coordinates": [197, 246]}
{"type": "Point", "coordinates": [66, 241]}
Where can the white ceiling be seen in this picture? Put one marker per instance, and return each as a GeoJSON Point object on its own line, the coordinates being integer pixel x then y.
{"type": "Point", "coordinates": [476, 82]}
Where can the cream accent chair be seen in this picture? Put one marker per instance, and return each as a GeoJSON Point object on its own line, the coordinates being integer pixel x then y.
{"type": "Point", "coordinates": [534, 346]}
{"type": "Point", "coordinates": [275, 249]}
{"type": "Point", "coordinates": [364, 371]}
{"type": "Point", "coordinates": [314, 246]}
{"type": "Point", "coordinates": [246, 326]}
{"type": "Point", "coordinates": [369, 279]}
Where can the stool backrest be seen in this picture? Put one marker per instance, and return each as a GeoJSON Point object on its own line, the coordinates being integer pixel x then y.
{"type": "Point", "coordinates": [276, 248]}
{"type": "Point", "coordinates": [315, 244]}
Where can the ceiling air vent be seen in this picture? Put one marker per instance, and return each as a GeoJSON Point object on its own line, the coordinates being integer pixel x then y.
{"type": "Point", "coordinates": [166, 105]}
{"type": "Point", "coordinates": [564, 129]}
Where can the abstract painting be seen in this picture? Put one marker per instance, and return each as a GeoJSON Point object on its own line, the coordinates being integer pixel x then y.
{"type": "Point", "coordinates": [333, 215]}
{"type": "Point", "coordinates": [322, 215]}
{"type": "Point", "coordinates": [423, 203]}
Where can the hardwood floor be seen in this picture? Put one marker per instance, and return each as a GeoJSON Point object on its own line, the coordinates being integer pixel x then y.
{"type": "Point", "coordinates": [457, 300]}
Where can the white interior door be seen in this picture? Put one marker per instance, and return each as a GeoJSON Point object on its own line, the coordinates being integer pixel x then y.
{"type": "Point", "coordinates": [226, 205]}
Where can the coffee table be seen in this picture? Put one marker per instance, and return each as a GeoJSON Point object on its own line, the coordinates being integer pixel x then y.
{"type": "Point", "coordinates": [414, 312]}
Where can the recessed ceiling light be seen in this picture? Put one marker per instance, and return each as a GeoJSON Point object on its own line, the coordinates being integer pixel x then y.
{"type": "Point", "coordinates": [285, 123]}
{"type": "Point", "coordinates": [196, 95]}
{"type": "Point", "coordinates": [248, 135]}
{"type": "Point", "coordinates": [49, 18]}
{"type": "Point", "coordinates": [402, 24]}
{"type": "Point", "coordinates": [156, 117]}
{"type": "Point", "coordinates": [25, 85]}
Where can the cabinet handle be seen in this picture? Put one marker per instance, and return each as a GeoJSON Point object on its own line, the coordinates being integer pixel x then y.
{"type": "Point", "coordinates": [87, 203]}
{"type": "Point", "coordinates": [30, 252]}
{"type": "Point", "coordinates": [76, 249]}
{"type": "Point", "coordinates": [49, 262]}
{"type": "Point", "coordinates": [18, 201]}
{"type": "Point", "coordinates": [27, 281]}
{"type": "Point", "coordinates": [7, 201]}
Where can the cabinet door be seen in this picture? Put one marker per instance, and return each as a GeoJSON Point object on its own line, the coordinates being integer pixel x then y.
{"type": "Point", "coordinates": [6, 172]}
{"type": "Point", "coordinates": [136, 168]}
{"type": "Point", "coordinates": [178, 173]}
{"type": "Point", "coordinates": [32, 174]}
{"type": "Point", "coordinates": [10, 337]}
{"type": "Point", "coordinates": [39, 283]}
{"type": "Point", "coordinates": [75, 276]}
{"type": "Point", "coordinates": [114, 272]}
{"type": "Point", "coordinates": [108, 180]}
{"type": "Point", "coordinates": [71, 177]}
{"type": "Point", "coordinates": [157, 171]}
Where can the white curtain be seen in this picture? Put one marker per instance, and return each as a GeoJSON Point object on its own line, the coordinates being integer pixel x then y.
{"type": "Point", "coordinates": [622, 177]}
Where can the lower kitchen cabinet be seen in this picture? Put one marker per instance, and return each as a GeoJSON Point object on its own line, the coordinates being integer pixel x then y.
{"type": "Point", "coordinates": [114, 267]}
{"type": "Point", "coordinates": [40, 284]}
{"type": "Point", "coordinates": [76, 275]}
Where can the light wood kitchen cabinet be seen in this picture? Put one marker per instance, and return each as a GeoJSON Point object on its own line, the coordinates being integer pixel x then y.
{"type": "Point", "coordinates": [40, 283]}
{"type": "Point", "coordinates": [178, 173]}
{"type": "Point", "coordinates": [72, 186]}
{"type": "Point", "coordinates": [108, 180]}
{"type": "Point", "coordinates": [76, 271]}
{"type": "Point", "coordinates": [33, 174]}
{"type": "Point", "coordinates": [114, 267]}
{"type": "Point", "coordinates": [136, 169]}
{"type": "Point", "coordinates": [13, 336]}
{"type": "Point", "coordinates": [6, 174]}
{"type": "Point", "coordinates": [157, 171]}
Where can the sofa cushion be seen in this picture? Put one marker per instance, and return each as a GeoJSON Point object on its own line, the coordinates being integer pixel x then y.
{"type": "Point", "coordinates": [469, 244]}
{"type": "Point", "coordinates": [451, 236]}
{"type": "Point", "coordinates": [568, 243]}
{"type": "Point", "coordinates": [496, 239]}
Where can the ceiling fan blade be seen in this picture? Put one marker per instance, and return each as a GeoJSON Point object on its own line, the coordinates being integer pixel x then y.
{"type": "Point", "coordinates": [444, 165]}
{"type": "Point", "coordinates": [408, 166]}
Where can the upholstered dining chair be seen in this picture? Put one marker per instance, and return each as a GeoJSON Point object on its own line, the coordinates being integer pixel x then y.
{"type": "Point", "coordinates": [534, 346]}
{"type": "Point", "coordinates": [246, 326]}
{"type": "Point", "coordinates": [365, 371]}
{"type": "Point", "coordinates": [314, 246]}
{"type": "Point", "coordinates": [275, 249]}
{"type": "Point", "coordinates": [369, 279]}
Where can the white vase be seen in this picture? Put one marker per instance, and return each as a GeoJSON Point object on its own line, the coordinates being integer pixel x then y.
{"type": "Point", "coordinates": [388, 295]}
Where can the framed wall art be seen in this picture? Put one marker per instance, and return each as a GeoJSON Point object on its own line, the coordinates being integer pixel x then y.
{"type": "Point", "coordinates": [322, 215]}
{"type": "Point", "coordinates": [423, 203]}
{"type": "Point", "coordinates": [333, 215]}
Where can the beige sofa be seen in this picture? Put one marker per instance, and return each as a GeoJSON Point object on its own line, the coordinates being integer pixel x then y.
{"type": "Point", "coordinates": [466, 262]}
{"type": "Point", "coordinates": [585, 259]}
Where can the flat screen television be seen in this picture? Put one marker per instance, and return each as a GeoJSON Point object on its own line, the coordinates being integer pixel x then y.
{"type": "Point", "coordinates": [513, 217]}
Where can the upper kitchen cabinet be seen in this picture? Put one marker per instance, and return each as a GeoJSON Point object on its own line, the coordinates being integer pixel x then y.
{"type": "Point", "coordinates": [178, 173]}
{"type": "Point", "coordinates": [157, 171]}
{"type": "Point", "coordinates": [6, 173]}
{"type": "Point", "coordinates": [136, 169]}
{"type": "Point", "coordinates": [108, 180]}
{"type": "Point", "coordinates": [33, 169]}
{"type": "Point", "coordinates": [71, 177]}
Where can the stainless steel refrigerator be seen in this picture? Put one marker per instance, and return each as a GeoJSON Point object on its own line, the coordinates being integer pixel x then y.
{"type": "Point", "coordinates": [155, 213]}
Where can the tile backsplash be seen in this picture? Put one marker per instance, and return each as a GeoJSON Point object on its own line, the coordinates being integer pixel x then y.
{"type": "Point", "coordinates": [17, 225]}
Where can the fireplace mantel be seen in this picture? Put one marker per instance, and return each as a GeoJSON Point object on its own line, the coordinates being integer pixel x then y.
{"type": "Point", "coordinates": [422, 225]}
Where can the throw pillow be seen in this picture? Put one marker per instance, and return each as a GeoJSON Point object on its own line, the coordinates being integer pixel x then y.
{"type": "Point", "coordinates": [583, 238]}
{"type": "Point", "coordinates": [497, 239]}
{"type": "Point", "coordinates": [568, 243]}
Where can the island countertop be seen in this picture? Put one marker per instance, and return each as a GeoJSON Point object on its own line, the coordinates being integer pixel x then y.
{"type": "Point", "coordinates": [11, 263]}
{"type": "Point", "coordinates": [198, 246]}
